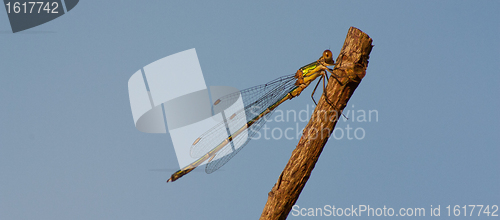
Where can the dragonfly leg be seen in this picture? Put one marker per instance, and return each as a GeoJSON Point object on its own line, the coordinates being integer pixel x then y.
{"type": "Point", "coordinates": [312, 95]}
{"type": "Point", "coordinates": [335, 76]}
{"type": "Point", "coordinates": [325, 91]}
{"type": "Point", "coordinates": [324, 77]}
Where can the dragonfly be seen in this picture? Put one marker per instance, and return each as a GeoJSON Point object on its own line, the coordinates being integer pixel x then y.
{"type": "Point", "coordinates": [259, 103]}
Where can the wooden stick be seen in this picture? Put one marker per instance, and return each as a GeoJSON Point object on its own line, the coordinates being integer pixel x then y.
{"type": "Point", "coordinates": [351, 68]}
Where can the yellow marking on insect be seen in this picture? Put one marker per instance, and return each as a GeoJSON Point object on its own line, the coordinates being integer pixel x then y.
{"type": "Point", "coordinates": [232, 116]}
{"type": "Point", "coordinates": [217, 102]}
{"type": "Point", "coordinates": [196, 141]}
{"type": "Point", "coordinates": [211, 158]}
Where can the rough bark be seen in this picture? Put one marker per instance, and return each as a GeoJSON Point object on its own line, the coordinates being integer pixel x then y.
{"type": "Point", "coordinates": [351, 68]}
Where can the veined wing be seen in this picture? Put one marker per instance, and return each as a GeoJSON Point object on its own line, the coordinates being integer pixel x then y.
{"type": "Point", "coordinates": [256, 100]}
{"type": "Point", "coordinates": [253, 99]}
{"type": "Point", "coordinates": [250, 95]}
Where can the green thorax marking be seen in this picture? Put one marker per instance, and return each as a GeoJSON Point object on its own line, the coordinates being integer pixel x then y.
{"type": "Point", "coordinates": [307, 68]}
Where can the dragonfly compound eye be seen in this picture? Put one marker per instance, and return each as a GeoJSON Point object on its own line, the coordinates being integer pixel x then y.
{"type": "Point", "coordinates": [327, 54]}
{"type": "Point", "coordinates": [327, 57]}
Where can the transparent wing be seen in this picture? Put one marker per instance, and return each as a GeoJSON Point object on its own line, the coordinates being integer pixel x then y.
{"type": "Point", "coordinates": [256, 100]}
{"type": "Point", "coordinates": [252, 95]}
{"type": "Point", "coordinates": [253, 99]}
{"type": "Point", "coordinates": [238, 142]}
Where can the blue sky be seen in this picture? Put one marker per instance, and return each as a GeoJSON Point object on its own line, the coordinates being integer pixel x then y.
{"type": "Point", "coordinates": [69, 148]}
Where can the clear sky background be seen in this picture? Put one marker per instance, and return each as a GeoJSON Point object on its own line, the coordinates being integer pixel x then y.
{"type": "Point", "coordinates": [69, 148]}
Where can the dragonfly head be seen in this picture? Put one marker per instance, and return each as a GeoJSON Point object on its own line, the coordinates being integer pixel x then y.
{"type": "Point", "coordinates": [328, 57]}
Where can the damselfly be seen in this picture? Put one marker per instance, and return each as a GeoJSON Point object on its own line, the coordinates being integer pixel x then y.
{"type": "Point", "coordinates": [259, 102]}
